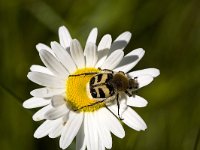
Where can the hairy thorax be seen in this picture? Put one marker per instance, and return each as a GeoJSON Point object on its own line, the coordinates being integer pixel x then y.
{"type": "Point", "coordinates": [120, 82]}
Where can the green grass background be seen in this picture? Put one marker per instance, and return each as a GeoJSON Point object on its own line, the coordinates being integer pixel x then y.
{"type": "Point", "coordinates": [169, 31]}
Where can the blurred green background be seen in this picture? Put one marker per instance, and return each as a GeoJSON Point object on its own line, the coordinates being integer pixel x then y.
{"type": "Point", "coordinates": [169, 31]}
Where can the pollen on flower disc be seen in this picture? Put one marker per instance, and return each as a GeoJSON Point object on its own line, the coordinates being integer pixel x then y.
{"type": "Point", "coordinates": [77, 91]}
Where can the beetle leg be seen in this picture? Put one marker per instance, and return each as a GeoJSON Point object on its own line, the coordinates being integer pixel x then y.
{"type": "Point", "coordinates": [128, 93]}
{"type": "Point", "coordinates": [107, 71]}
{"type": "Point", "coordinates": [118, 106]}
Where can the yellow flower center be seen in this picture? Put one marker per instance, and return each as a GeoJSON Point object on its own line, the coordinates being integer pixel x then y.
{"type": "Point", "coordinates": [77, 91]}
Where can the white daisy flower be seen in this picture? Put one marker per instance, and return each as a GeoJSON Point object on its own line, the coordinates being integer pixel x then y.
{"type": "Point", "coordinates": [74, 83]}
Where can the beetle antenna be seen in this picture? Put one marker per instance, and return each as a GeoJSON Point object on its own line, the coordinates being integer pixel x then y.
{"type": "Point", "coordinates": [85, 74]}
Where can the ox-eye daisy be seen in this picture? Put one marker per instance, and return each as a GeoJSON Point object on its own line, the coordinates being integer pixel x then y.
{"type": "Point", "coordinates": [69, 110]}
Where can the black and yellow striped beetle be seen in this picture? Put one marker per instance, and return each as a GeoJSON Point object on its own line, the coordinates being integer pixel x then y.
{"type": "Point", "coordinates": [107, 85]}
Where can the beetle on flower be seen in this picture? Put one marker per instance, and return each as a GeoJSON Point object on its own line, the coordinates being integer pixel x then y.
{"type": "Point", "coordinates": [84, 93]}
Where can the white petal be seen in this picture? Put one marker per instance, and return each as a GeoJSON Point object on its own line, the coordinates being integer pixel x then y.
{"type": "Point", "coordinates": [41, 46]}
{"type": "Point", "coordinates": [80, 139]}
{"type": "Point", "coordinates": [63, 56]}
{"type": "Point", "coordinates": [47, 92]}
{"type": "Point", "coordinates": [64, 37]}
{"type": "Point", "coordinates": [104, 133]}
{"type": "Point", "coordinates": [46, 80]}
{"type": "Point", "coordinates": [102, 55]}
{"type": "Point", "coordinates": [71, 129]}
{"type": "Point", "coordinates": [58, 100]}
{"type": "Point", "coordinates": [130, 60]}
{"type": "Point", "coordinates": [92, 36]}
{"type": "Point", "coordinates": [112, 123]}
{"type": "Point", "coordinates": [149, 71]}
{"type": "Point", "coordinates": [39, 115]}
{"type": "Point", "coordinates": [86, 132]}
{"type": "Point", "coordinates": [136, 101]}
{"type": "Point", "coordinates": [57, 112]}
{"type": "Point", "coordinates": [113, 60]}
{"type": "Point", "coordinates": [35, 102]}
{"type": "Point", "coordinates": [105, 42]}
{"type": "Point", "coordinates": [95, 130]}
{"type": "Point", "coordinates": [144, 80]}
{"type": "Point", "coordinates": [38, 68]}
{"type": "Point", "coordinates": [90, 131]}
{"type": "Point", "coordinates": [125, 36]}
{"type": "Point", "coordinates": [57, 129]}
{"type": "Point", "coordinates": [121, 41]}
{"type": "Point", "coordinates": [103, 49]}
{"type": "Point", "coordinates": [44, 129]}
{"type": "Point", "coordinates": [53, 64]}
{"type": "Point", "coordinates": [101, 146]}
{"type": "Point", "coordinates": [133, 120]}
{"type": "Point", "coordinates": [90, 54]}
{"type": "Point", "coordinates": [77, 53]}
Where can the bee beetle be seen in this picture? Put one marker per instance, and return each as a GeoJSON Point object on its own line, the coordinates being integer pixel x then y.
{"type": "Point", "coordinates": [107, 85]}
